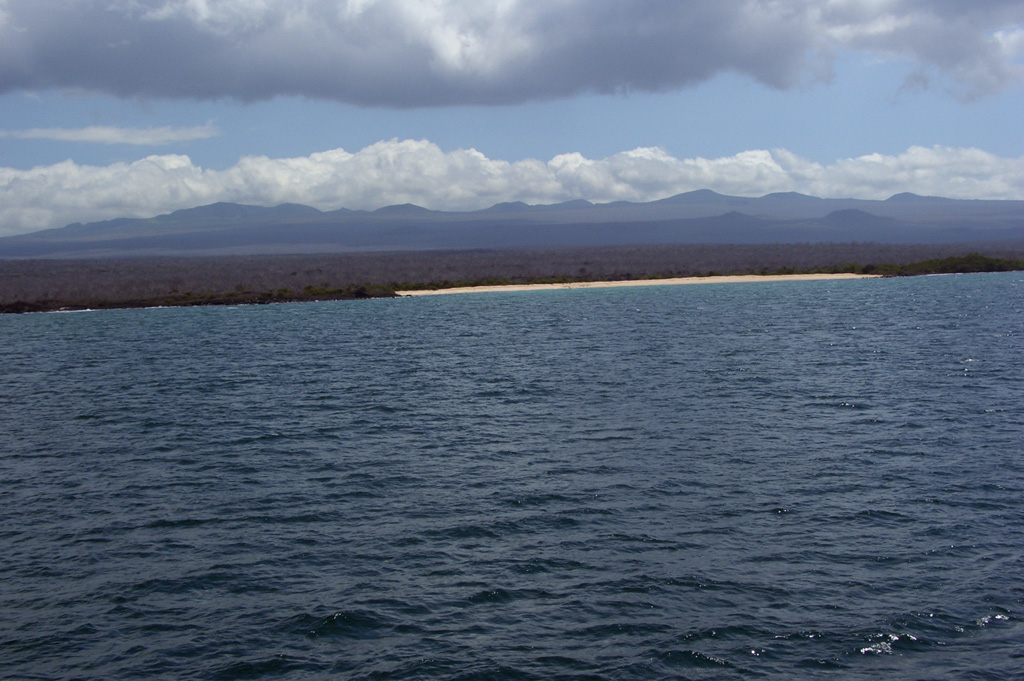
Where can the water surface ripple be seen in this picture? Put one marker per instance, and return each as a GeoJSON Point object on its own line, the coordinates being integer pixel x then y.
{"type": "Point", "coordinates": [807, 480]}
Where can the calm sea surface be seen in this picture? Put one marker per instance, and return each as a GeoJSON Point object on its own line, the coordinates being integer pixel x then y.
{"type": "Point", "coordinates": [779, 481]}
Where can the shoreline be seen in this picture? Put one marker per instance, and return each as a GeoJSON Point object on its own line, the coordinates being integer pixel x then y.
{"type": "Point", "coordinates": [674, 281]}
{"type": "Point", "coordinates": [39, 286]}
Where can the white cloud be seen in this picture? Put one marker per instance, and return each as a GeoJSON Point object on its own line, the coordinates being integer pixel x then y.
{"type": "Point", "coordinates": [408, 53]}
{"type": "Point", "coordinates": [410, 171]}
{"type": "Point", "coordinates": [111, 135]}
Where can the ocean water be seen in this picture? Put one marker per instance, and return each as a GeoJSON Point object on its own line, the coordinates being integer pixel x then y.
{"type": "Point", "coordinates": [812, 480]}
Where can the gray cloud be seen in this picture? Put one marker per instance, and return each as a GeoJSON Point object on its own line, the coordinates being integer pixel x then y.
{"type": "Point", "coordinates": [418, 171]}
{"type": "Point", "coordinates": [99, 134]}
{"type": "Point", "coordinates": [407, 53]}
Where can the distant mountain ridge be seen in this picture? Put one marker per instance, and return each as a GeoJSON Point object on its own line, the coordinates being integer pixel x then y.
{"type": "Point", "coordinates": [701, 216]}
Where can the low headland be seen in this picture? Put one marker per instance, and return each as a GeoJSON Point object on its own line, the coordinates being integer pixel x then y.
{"type": "Point", "coordinates": [51, 285]}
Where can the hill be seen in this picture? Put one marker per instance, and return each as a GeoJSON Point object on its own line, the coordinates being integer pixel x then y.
{"type": "Point", "coordinates": [699, 217]}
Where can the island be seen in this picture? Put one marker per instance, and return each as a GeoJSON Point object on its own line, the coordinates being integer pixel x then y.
{"type": "Point", "coordinates": [50, 285]}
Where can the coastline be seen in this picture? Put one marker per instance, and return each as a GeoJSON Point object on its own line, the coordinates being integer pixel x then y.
{"type": "Point", "coordinates": [675, 281]}
{"type": "Point", "coordinates": [52, 285]}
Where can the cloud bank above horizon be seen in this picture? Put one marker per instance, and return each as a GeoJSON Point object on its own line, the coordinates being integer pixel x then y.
{"type": "Point", "coordinates": [411, 53]}
{"type": "Point", "coordinates": [420, 172]}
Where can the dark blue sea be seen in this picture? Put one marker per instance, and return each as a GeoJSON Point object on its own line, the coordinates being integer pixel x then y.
{"type": "Point", "coordinates": [813, 480]}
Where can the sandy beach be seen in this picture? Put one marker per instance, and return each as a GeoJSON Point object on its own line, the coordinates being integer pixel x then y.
{"type": "Point", "coordinates": [726, 279]}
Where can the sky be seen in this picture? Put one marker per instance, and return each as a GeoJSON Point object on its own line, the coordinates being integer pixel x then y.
{"type": "Point", "coordinates": [114, 108]}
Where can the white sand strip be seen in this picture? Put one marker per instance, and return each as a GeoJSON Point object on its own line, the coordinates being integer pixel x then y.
{"type": "Point", "coordinates": [725, 279]}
